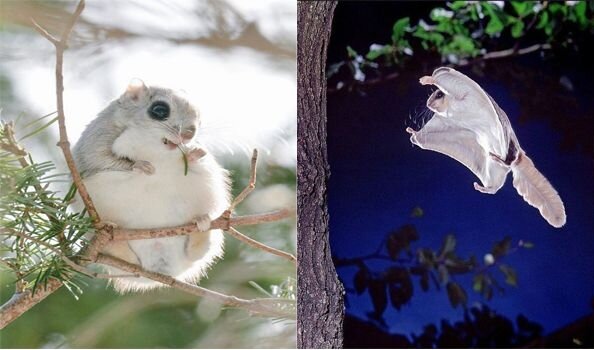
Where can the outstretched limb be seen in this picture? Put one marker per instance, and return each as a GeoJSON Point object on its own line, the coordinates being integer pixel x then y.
{"type": "Point", "coordinates": [427, 80]}
{"type": "Point", "coordinates": [482, 189]}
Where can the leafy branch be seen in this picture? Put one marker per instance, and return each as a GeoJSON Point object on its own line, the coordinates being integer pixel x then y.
{"type": "Point", "coordinates": [438, 267]}
{"type": "Point", "coordinates": [44, 242]}
{"type": "Point", "coordinates": [468, 32]}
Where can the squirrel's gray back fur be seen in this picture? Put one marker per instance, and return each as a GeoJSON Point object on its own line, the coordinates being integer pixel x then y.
{"type": "Point", "coordinates": [93, 151]}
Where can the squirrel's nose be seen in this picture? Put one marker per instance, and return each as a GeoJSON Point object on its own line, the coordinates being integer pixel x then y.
{"type": "Point", "coordinates": [188, 134]}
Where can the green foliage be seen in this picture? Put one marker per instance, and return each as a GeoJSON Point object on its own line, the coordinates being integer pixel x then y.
{"type": "Point", "coordinates": [465, 30]}
{"type": "Point", "coordinates": [443, 267]}
{"type": "Point", "coordinates": [37, 228]}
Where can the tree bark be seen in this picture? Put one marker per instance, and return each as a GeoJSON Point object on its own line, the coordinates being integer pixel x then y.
{"type": "Point", "coordinates": [320, 308]}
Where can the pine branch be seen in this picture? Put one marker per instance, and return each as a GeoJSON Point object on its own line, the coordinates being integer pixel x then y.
{"type": "Point", "coordinates": [57, 252]}
{"type": "Point", "coordinates": [63, 143]}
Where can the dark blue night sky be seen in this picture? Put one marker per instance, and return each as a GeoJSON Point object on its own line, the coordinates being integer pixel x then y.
{"type": "Point", "coordinates": [378, 177]}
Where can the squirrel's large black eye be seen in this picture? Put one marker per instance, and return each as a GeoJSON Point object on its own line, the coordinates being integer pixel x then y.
{"type": "Point", "coordinates": [159, 110]}
{"type": "Point", "coordinates": [439, 94]}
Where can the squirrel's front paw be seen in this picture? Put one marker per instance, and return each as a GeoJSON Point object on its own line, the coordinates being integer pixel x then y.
{"type": "Point", "coordinates": [427, 80]}
{"type": "Point", "coordinates": [195, 154]}
{"type": "Point", "coordinates": [144, 166]}
{"type": "Point", "coordinates": [202, 223]}
{"type": "Point", "coordinates": [113, 225]}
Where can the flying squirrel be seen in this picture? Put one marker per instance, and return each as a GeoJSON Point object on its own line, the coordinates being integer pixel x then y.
{"type": "Point", "coordinates": [131, 164]}
{"type": "Point", "coordinates": [469, 126]}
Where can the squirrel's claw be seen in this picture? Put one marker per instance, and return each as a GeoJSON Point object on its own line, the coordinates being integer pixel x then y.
{"type": "Point", "coordinates": [202, 223]}
{"type": "Point", "coordinates": [195, 154]}
{"type": "Point", "coordinates": [143, 166]}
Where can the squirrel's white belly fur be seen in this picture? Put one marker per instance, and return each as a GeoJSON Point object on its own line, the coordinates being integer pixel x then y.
{"type": "Point", "coordinates": [166, 198]}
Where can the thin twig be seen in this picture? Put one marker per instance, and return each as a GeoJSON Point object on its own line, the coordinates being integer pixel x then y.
{"type": "Point", "coordinates": [250, 186]}
{"type": "Point", "coordinates": [269, 307]}
{"type": "Point", "coordinates": [255, 218]}
{"type": "Point", "coordinates": [63, 143]}
{"type": "Point", "coordinates": [12, 146]}
{"type": "Point", "coordinates": [505, 53]}
{"type": "Point", "coordinates": [245, 239]}
{"type": "Point", "coordinates": [218, 223]}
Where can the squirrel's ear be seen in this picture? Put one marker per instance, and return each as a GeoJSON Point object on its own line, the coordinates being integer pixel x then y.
{"type": "Point", "coordinates": [136, 90]}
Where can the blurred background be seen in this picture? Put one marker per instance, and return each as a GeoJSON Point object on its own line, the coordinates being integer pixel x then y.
{"type": "Point", "coordinates": [236, 61]}
{"type": "Point", "coordinates": [426, 260]}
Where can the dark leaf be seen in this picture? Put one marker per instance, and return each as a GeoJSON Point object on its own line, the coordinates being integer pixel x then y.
{"type": "Point", "coordinates": [501, 248]}
{"type": "Point", "coordinates": [522, 8]}
{"type": "Point", "coordinates": [352, 53]}
{"type": "Point", "coordinates": [456, 294]}
{"type": "Point", "coordinates": [558, 7]}
{"type": "Point", "coordinates": [549, 28]}
{"type": "Point", "coordinates": [526, 244]}
{"type": "Point", "coordinates": [396, 274]}
{"type": "Point", "coordinates": [463, 44]}
{"type": "Point", "coordinates": [448, 245]}
{"type": "Point", "coordinates": [477, 282]}
{"type": "Point", "coordinates": [333, 69]}
{"type": "Point", "coordinates": [426, 257]}
{"type": "Point", "coordinates": [510, 274]}
{"type": "Point", "coordinates": [543, 20]}
{"type": "Point", "coordinates": [517, 29]}
{"type": "Point", "coordinates": [400, 28]}
{"type": "Point", "coordinates": [417, 270]}
{"type": "Point", "coordinates": [440, 14]}
{"type": "Point", "coordinates": [494, 26]}
{"type": "Point", "coordinates": [425, 281]}
{"type": "Point", "coordinates": [527, 326]}
{"type": "Point", "coordinates": [394, 245]}
{"type": "Point", "coordinates": [488, 292]}
{"type": "Point", "coordinates": [400, 240]}
{"type": "Point", "coordinates": [444, 275]}
{"type": "Point", "coordinates": [410, 233]}
{"type": "Point", "coordinates": [457, 5]}
{"type": "Point", "coordinates": [376, 51]}
{"type": "Point", "coordinates": [361, 280]}
{"type": "Point", "coordinates": [400, 294]}
{"type": "Point", "coordinates": [400, 286]}
{"type": "Point", "coordinates": [456, 265]}
{"type": "Point", "coordinates": [445, 27]}
{"type": "Point", "coordinates": [379, 297]}
{"type": "Point", "coordinates": [580, 11]}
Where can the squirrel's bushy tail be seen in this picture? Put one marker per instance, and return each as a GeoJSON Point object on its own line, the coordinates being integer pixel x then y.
{"type": "Point", "coordinates": [538, 191]}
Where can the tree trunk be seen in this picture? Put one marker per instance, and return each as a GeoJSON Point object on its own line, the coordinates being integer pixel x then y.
{"type": "Point", "coordinates": [320, 309]}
